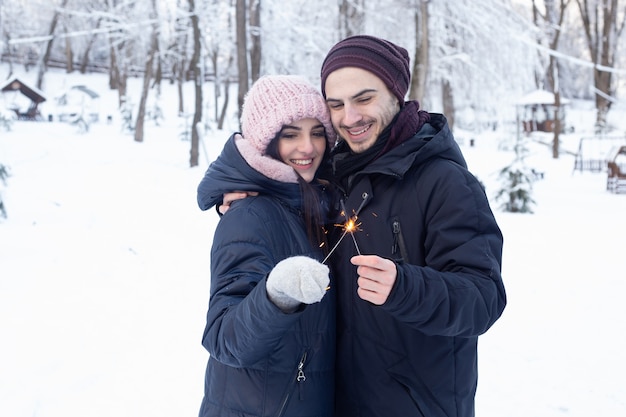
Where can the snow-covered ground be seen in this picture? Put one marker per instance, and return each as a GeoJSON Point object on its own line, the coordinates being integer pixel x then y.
{"type": "Point", "coordinates": [104, 261]}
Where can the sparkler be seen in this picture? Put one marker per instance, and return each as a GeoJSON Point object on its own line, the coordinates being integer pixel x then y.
{"type": "Point", "coordinates": [350, 226]}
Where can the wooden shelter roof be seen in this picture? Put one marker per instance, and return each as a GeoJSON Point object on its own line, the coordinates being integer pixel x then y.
{"type": "Point", "coordinates": [539, 97]}
{"type": "Point", "coordinates": [32, 93]}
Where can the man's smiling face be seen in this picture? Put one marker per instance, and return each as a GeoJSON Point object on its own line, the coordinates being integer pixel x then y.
{"type": "Point", "coordinates": [361, 106]}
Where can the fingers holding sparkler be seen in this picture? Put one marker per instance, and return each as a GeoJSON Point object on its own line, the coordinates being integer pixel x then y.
{"type": "Point", "coordinates": [376, 277]}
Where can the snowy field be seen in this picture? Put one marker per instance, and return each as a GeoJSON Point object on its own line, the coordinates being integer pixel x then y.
{"type": "Point", "coordinates": [104, 261]}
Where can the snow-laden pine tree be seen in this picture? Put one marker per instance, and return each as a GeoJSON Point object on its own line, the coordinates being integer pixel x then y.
{"type": "Point", "coordinates": [4, 174]}
{"type": "Point", "coordinates": [5, 121]}
{"type": "Point", "coordinates": [516, 180]}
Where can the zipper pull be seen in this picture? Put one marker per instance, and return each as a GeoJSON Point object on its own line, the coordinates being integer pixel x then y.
{"type": "Point", "coordinates": [364, 198]}
{"type": "Point", "coordinates": [396, 232]}
{"type": "Point", "coordinates": [301, 377]}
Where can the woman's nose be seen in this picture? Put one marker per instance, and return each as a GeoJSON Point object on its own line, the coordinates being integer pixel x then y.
{"type": "Point", "coordinates": [306, 144]}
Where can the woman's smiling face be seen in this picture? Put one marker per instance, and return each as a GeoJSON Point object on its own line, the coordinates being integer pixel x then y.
{"type": "Point", "coordinates": [301, 145]}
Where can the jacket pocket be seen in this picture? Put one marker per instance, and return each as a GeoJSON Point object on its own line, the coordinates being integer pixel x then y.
{"type": "Point", "coordinates": [413, 391]}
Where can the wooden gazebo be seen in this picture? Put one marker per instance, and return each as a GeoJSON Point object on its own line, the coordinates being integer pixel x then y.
{"type": "Point", "coordinates": [35, 95]}
{"type": "Point", "coordinates": [536, 111]}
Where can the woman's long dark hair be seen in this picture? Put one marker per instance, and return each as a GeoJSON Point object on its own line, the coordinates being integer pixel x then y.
{"type": "Point", "coordinates": [314, 218]}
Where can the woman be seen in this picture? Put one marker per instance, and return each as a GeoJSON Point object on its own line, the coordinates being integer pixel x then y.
{"type": "Point", "coordinates": [271, 321]}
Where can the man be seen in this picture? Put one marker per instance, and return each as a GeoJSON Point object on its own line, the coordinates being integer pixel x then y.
{"type": "Point", "coordinates": [419, 280]}
{"type": "Point", "coordinates": [411, 308]}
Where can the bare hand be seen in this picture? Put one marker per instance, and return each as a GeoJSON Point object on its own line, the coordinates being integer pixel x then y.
{"type": "Point", "coordinates": [235, 195]}
{"type": "Point", "coordinates": [376, 277]}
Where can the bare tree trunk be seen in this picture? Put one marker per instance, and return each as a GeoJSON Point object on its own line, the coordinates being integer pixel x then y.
{"type": "Point", "coordinates": [447, 90]}
{"type": "Point", "coordinates": [242, 51]}
{"type": "Point", "coordinates": [122, 87]}
{"type": "Point", "coordinates": [602, 30]}
{"type": "Point", "coordinates": [539, 76]}
{"type": "Point", "coordinates": [255, 39]}
{"type": "Point", "coordinates": [220, 123]}
{"type": "Point", "coordinates": [417, 89]}
{"type": "Point", "coordinates": [213, 56]}
{"type": "Point", "coordinates": [69, 55]}
{"type": "Point", "coordinates": [197, 73]}
{"type": "Point", "coordinates": [122, 70]}
{"type": "Point", "coordinates": [158, 75]}
{"type": "Point", "coordinates": [10, 58]}
{"type": "Point", "coordinates": [553, 19]}
{"type": "Point", "coordinates": [85, 58]}
{"type": "Point", "coordinates": [448, 102]}
{"type": "Point", "coordinates": [118, 74]}
{"type": "Point", "coordinates": [554, 77]}
{"type": "Point", "coordinates": [179, 71]}
{"type": "Point", "coordinates": [114, 73]}
{"type": "Point", "coordinates": [43, 65]}
{"type": "Point", "coordinates": [557, 125]}
{"type": "Point", "coordinates": [179, 84]}
{"type": "Point", "coordinates": [351, 17]}
{"type": "Point", "coordinates": [147, 77]}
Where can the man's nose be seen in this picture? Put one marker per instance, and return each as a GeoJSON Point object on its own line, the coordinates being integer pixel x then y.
{"type": "Point", "coordinates": [351, 115]}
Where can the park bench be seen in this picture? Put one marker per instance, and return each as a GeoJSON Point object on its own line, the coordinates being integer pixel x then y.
{"type": "Point", "coordinates": [616, 172]}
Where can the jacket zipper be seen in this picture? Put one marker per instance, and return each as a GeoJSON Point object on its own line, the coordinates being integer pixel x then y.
{"type": "Point", "coordinates": [398, 241]}
{"type": "Point", "coordinates": [300, 378]}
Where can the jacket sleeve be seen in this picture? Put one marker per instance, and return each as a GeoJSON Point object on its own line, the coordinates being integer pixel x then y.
{"type": "Point", "coordinates": [243, 325]}
{"type": "Point", "coordinates": [458, 291]}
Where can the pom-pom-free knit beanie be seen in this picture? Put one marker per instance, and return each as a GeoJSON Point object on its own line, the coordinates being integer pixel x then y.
{"type": "Point", "coordinates": [386, 60]}
{"type": "Point", "coordinates": [272, 102]}
{"type": "Point", "coordinates": [278, 100]}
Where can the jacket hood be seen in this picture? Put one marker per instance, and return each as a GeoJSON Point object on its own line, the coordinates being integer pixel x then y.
{"type": "Point", "coordinates": [231, 172]}
{"type": "Point", "coordinates": [434, 140]}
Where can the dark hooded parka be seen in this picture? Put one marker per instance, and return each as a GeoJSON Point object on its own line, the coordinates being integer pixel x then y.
{"type": "Point", "coordinates": [418, 205]}
{"type": "Point", "coordinates": [262, 361]}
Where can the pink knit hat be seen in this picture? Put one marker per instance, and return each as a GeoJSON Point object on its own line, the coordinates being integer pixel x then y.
{"type": "Point", "coordinates": [277, 100]}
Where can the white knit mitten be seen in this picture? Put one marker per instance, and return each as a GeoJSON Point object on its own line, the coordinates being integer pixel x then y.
{"type": "Point", "coordinates": [297, 280]}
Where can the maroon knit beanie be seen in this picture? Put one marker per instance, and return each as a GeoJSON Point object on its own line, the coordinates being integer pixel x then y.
{"type": "Point", "coordinates": [387, 61]}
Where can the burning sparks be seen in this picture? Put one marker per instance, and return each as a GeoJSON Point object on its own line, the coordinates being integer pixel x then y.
{"type": "Point", "coordinates": [350, 226]}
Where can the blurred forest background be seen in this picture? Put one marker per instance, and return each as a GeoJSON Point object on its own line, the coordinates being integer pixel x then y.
{"type": "Point", "coordinates": [471, 59]}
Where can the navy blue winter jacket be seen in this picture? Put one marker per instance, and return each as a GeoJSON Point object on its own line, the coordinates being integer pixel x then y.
{"type": "Point", "coordinates": [262, 362]}
{"type": "Point", "coordinates": [416, 355]}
